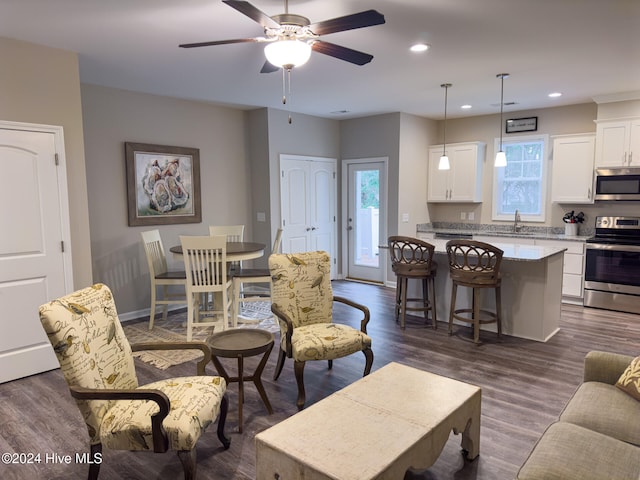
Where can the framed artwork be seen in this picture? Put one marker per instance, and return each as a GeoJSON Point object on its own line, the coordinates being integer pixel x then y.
{"type": "Point", "coordinates": [529, 124]}
{"type": "Point", "coordinates": [163, 184]}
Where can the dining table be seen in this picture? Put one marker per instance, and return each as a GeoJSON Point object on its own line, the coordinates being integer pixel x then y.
{"type": "Point", "coordinates": [236, 251]}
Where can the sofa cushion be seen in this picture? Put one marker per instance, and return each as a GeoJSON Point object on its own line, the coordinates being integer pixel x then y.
{"type": "Point", "coordinates": [629, 381]}
{"type": "Point", "coordinates": [567, 451]}
{"type": "Point", "coordinates": [606, 409]}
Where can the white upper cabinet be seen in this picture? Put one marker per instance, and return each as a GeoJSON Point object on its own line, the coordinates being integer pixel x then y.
{"type": "Point", "coordinates": [618, 143]}
{"type": "Point", "coordinates": [463, 182]}
{"type": "Point", "coordinates": [572, 169]}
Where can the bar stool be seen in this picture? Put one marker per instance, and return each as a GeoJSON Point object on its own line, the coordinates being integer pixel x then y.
{"type": "Point", "coordinates": [413, 258]}
{"type": "Point", "coordinates": [475, 265]}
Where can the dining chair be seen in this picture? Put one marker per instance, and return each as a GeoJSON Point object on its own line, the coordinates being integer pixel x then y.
{"type": "Point", "coordinates": [254, 276]}
{"type": "Point", "coordinates": [234, 233]}
{"type": "Point", "coordinates": [476, 265]}
{"type": "Point", "coordinates": [205, 262]}
{"type": "Point", "coordinates": [160, 276]}
{"type": "Point", "coordinates": [97, 363]}
{"type": "Point", "coordinates": [302, 300]}
{"type": "Point", "coordinates": [412, 259]}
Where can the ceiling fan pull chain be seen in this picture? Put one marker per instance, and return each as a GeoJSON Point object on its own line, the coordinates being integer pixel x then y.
{"type": "Point", "coordinates": [284, 87]}
{"type": "Point", "coordinates": [289, 90]}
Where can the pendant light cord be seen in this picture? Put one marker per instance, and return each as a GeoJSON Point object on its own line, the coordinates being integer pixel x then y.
{"type": "Point", "coordinates": [501, 76]}
{"type": "Point", "coordinates": [444, 130]}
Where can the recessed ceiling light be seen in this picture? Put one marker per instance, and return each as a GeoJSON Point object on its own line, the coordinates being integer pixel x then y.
{"type": "Point", "coordinates": [420, 47]}
{"type": "Point", "coordinates": [555, 94]}
{"type": "Point", "coordinates": [465, 107]}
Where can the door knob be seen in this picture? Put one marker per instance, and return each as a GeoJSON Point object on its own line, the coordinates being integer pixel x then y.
{"type": "Point", "coordinates": [349, 227]}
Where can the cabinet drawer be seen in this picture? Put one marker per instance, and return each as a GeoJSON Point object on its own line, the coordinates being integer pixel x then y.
{"type": "Point", "coordinates": [572, 247]}
{"type": "Point", "coordinates": [573, 263]}
{"type": "Point", "coordinates": [572, 285]}
{"type": "Point", "coordinates": [425, 236]}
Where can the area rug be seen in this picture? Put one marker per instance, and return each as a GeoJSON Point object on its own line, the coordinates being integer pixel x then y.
{"type": "Point", "coordinates": [252, 315]}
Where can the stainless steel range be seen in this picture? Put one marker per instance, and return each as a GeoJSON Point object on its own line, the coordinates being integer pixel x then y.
{"type": "Point", "coordinates": [612, 270]}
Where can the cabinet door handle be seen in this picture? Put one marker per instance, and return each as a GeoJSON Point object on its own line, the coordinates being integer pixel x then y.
{"type": "Point", "coordinates": [630, 157]}
{"type": "Point", "coordinates": [589, 193]}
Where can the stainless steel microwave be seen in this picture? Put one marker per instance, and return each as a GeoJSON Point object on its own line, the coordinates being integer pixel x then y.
{"type": "Point", "coordinates": [618, 184]}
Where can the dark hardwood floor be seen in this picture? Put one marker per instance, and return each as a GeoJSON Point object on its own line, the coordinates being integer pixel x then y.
{"type": "Point", "coordinates": [525, 385]}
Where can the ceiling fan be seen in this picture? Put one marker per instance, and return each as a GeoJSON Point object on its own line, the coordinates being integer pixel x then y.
{"type": "Point", "coordinates": [290, 38]}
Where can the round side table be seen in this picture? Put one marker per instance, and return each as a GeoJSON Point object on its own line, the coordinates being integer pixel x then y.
{"type": "Point", "coordinates": [240, 343]}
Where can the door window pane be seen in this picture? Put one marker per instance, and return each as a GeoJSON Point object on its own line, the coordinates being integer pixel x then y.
{"type": "Point", "coordinates": [367, 217]}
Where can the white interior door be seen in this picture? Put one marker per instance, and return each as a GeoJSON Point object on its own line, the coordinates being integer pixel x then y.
{"type": "Point", "coordinates": [308, 205]}
{"type": "Point", "coordinates": [33, 267]}
{"type": "Point", "coordinates": [366, 219]}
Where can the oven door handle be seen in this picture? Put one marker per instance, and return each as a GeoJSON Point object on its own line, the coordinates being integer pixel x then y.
{"type": "Point", "coordinates": [614, 248]}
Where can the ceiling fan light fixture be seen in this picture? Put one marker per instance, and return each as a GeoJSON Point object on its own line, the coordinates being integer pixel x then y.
{"type": "Point", "coordinates": [287, 53]}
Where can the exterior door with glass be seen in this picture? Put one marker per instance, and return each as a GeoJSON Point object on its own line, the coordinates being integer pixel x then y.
{"type": "Point", "coordinates": [366, 219]}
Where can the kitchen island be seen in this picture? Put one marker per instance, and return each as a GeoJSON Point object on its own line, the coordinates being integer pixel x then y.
{"type": "Point", "coordinates": [531, 289]}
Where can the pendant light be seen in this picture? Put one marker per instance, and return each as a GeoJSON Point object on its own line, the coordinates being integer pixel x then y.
{"type": "Point", "coordinates": [501, 158]}
{"type": "Point", "coordinates": [444, 164]}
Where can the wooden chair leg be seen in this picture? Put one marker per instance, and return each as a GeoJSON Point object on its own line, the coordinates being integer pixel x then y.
{"type": "Point", "coordinates": [298, 368]}
{"type": "Point", "coordinates": [152, 313]}
{"type": "Point", "coordinates": [222, 419]}
{"type": "Point", "coordinates": [281, 357]}
{"type": "Point", "coordinates": [432, 301]}
{"type": "Point", "coordinates": [476, 316]}
{"type": "Point", "coordinates": [188, 459]}
{"type": "Point", "coordinates": [94, 468]}
{"type": "Point", "coordinates": [165, 307]}
{"type": "Point", "coordinates": [403, 313]}
{"type": "Point", "coordinates": [454, 291]}
{"type": "Point", "coordinates": [330, 366]}
{"type": "Point", "coordinates": [425, 300]}
{"type": "Point", "coordinates": [398, 296]}
{"type": "Point", "coordinates": [368, 354]}
{"type": "Point", "coordinates": [499, 310]}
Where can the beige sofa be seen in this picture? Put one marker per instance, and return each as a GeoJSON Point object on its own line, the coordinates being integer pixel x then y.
{"type": "Point", "coordinates": [598, 434]}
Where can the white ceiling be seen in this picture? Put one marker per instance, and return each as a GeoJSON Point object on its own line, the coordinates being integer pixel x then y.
{"type": "Point", "coordinates": [582, 48]}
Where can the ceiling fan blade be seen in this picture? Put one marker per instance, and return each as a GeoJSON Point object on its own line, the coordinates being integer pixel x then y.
{"type": "Point", "coordinates": [367, 18]}
{"type": "Point", "coordinates": [342, 53]}
{"type": "Point", "coordinates": [253, 13]}
{"type": "Point", "coordinates": [220, 42]}
{"type": "Point", "coordinates": [269, 67]}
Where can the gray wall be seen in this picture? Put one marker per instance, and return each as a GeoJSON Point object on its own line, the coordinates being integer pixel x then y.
{"type": "Point", "coordinates": [41, 85]}
{"type": "Point", "coordinates": [112, 117]}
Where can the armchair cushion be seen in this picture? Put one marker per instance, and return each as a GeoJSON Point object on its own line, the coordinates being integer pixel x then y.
{"type": "Point", "coordinates": [327, 341]}
{"type": "Point", "coordinates": [195, 403]}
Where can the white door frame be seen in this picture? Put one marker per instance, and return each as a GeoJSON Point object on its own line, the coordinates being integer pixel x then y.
{"type": "Point", "coordinates": [345, 213]}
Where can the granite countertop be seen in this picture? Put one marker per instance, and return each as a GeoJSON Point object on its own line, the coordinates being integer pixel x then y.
{"type": "Point", "coordinates": [539, 233]}
{"type": "Point", "coordinates": [512, 251]}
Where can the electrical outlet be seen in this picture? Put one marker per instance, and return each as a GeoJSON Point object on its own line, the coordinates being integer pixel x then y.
{"type": "Point", "coordinates": [471, 216]}
{"type": "Point", "coordinates": [463, 216]}
{"type": "Point", "coordinates": [262, 217]}
{"type": "Point", "coordinates": [405, 218]}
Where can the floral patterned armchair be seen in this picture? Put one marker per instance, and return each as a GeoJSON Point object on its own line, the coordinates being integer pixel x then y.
{"type": "Point", "coordinates": [302, 300]}
{"type": "Point", "coordinates": [96, 360]}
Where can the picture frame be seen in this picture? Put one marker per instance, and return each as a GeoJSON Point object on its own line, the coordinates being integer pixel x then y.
{"type": "Point", "coordinates": [527, 124]}
{"type": "Point", "coordinates": [163, 184]}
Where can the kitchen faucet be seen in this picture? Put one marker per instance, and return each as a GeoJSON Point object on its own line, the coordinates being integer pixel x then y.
{"type": "Point", "coordinates": [516, 222]}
